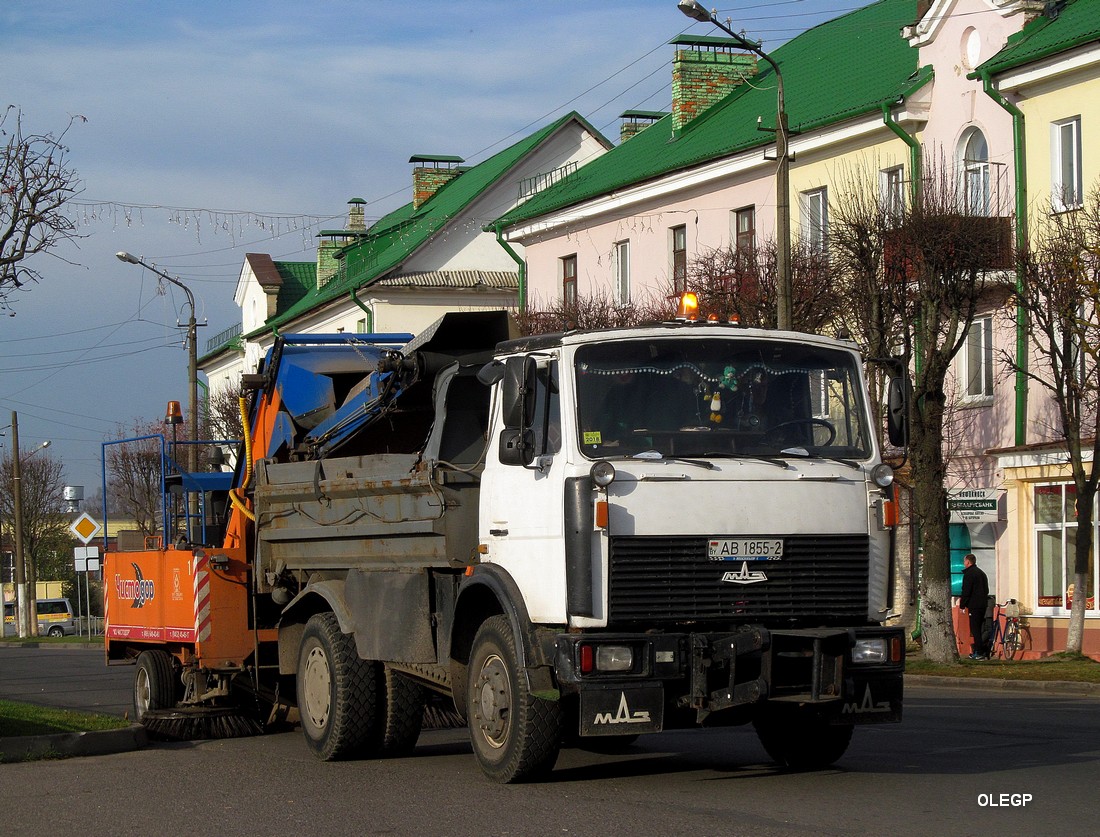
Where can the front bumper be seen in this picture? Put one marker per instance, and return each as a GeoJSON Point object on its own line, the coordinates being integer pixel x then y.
{"type": "Point", "coordinates": [679, 679]}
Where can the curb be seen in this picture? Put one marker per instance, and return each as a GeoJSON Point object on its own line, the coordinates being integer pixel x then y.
{"type": "Point", "coordinates": [1039, 687]}
{"type": "Point", "coordinates": [55, 646]}
{"type": "Point", "coordinates": [71, 744]}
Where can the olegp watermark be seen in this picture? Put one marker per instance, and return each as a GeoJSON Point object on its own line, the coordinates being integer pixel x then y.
{"type": "Point", "coordinates": [1003, 800]}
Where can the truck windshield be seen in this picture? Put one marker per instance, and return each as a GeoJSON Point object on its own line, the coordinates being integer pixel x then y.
{"type": "Point", "coordinates": [719, 397]}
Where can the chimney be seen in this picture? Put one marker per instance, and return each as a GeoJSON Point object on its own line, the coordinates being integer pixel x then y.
{"type": "Point", "coordinates": [431, 173]}
{"type": "Point", "coordinates": [704, 71]}
{"type": "Point", "coordinates": [636, 121]}
{"type": "Point", "coordinates": [357, 222]}
{"type": "Point", "coordinates": [267, 275]}
{"type": "Point", "coordinates": [328, 265]}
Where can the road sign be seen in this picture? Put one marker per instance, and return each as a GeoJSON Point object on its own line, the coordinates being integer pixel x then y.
{"type": "Point", "coordinates": [86, 559]}
{"type": "Point", "coordinates": [84, 528]}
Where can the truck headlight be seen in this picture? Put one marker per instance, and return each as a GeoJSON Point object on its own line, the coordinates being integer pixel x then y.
{"type": "Point", "coordinates": [603, 473]}
{"type": "Point", "coordinates": [614, 658]}
{"type": "Point", "coordinates": [882, 475]}
{"type": "Point", "coordinates": [869, 651]}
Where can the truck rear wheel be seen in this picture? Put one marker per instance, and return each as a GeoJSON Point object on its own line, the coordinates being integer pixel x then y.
{"type": "Point", "coordinates": [515, 735]}
{"type": "Point", "coordinates": [404, 713]}
{"type": "Point", "coordinates": [802, 743]}
{"type": "Point", "coordinates": [154, 683]}
{"type": "Point", "coordinates": [338, 693]}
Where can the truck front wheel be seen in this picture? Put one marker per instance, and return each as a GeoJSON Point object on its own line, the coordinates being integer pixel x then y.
{"type": "Point", "coordinates": [515, 735]}
{"type": "Point", "coordinates": [338, 693]}
{"type": "Point", "coordinates": [802, 742]}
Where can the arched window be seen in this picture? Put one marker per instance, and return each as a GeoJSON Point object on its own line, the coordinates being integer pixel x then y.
{"type": "Point", "coordinates": [974, 152]}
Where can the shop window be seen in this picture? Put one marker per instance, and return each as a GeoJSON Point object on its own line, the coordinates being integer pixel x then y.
{"type": "Point", "coordinates": [1055, 545]}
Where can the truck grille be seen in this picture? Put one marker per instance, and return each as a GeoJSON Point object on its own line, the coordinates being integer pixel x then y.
{"type": "Point", "coordinates": [822, 578]}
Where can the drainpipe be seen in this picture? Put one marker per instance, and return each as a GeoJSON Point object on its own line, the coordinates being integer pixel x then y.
{"type": "Point", "coordinates": [365, 310]}
{"type": "Point", "coordinates": [522, 291]}
{"type": "Point", "coordinates": [914, 150]}
{"type": "Point", "coordinates": [1019, 164]}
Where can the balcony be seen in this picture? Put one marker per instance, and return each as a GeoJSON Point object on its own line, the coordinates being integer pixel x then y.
{"type": "Point", "coordinates": [949, 242]}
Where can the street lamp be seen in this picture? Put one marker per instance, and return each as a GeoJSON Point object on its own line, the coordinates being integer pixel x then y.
{"type": "Point", "coordinates": [697, 11]}
{"type": "Point", "coordinates": [27, 624]}
{"type": "Point", "coordinates": [192, 358]}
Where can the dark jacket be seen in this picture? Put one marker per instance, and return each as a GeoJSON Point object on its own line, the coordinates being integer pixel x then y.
{"type": "Point", "coordinates": [975, 590]}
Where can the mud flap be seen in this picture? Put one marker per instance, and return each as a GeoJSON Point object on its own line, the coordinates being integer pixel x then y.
{"type": "Point", "coordinates": [622, 710]}
{"type": "Point", "coordinates": [870, 699]}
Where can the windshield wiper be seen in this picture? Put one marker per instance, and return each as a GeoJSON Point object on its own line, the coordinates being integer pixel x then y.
{"type": "Point", "coordinates": [771, 460]}
{"type": "Point", "coordinates": [803, 452]}
{"type": "Point", "coordinates": [656, 454]}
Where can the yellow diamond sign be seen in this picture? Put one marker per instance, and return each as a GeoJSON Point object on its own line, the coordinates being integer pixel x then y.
{"type": "Point", "coordinates": [85, 528]}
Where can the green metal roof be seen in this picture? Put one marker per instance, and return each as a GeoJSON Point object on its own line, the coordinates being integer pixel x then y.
{"type": "Point", "coordinates": [1053, 32]}
{"type": "Point", "coordinates": [842, 69]}
{"type": "Point", "coordinates": [396, 236]}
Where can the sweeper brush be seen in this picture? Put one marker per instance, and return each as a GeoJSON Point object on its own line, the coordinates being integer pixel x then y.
{"type": "Point", "coordinates": [195, 723]}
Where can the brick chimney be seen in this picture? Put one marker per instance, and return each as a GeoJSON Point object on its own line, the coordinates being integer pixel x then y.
{"type": "Point", "coordinates": [431, 173]}
{"type": "Point", "coordinates": [705, 70]}
{"type": "Point", "coordinates": [332, 240]}
{"type": "Point", "coordinates": [636, 121]}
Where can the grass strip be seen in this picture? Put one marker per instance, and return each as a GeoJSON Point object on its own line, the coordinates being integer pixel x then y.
{"type": "Point", "coordinates": [27, 719]}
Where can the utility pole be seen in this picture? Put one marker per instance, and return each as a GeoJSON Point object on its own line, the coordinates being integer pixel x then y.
{"type": "Point", "coordinates": [22, 618]}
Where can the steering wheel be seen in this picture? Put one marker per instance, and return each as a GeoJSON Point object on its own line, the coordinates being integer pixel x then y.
{"type": "Point", "coordinates": [819, 422]}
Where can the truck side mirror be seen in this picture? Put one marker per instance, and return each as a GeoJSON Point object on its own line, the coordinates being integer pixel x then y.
{"type": "Point", "coordinates": [519, 392]}
{"type": "Point", "coordinates": [517, 447]}
{"type": "Point", "coordinates": [897, 410]}
{"type": "Point", "coordinates": [517, 443]}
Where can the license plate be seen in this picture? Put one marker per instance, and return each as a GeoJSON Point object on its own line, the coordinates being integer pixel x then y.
{"type": "Point", "coordinates": [745, 549]}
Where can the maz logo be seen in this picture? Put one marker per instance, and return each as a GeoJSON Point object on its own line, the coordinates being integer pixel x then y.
{"type": "Point", "coordinates": [745, 576]}
{"type": "Point", "coordinates": [623, 716]}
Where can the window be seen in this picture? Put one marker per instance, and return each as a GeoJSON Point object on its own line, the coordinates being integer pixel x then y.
{"type": "Point", "coordinates": [815, 219]}
{"type": "Point", "coordinates": [892, 189]}
{"type": "Point", "coordinates": [569, 279]}
{"type": "Point", "coordinates": [678, 247]}
{"type": "Point", "coordinates": [975, 167]}
{"type": "Point", "coordinates": [744, 230]}
{"type": "Point", "coordinates": [361, 326]}
{"type": "Point", "coordinates": [1055, 543]}
{"type": "Point", "coordinates": [622, 272]}
{"type": "Point", "coordinates": [1066, 187]}
{"type": "Point", "coordinates": [977, 360]}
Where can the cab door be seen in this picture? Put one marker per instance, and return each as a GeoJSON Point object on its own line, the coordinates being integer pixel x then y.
{"type": "Point", "coordinates": [521, 517]}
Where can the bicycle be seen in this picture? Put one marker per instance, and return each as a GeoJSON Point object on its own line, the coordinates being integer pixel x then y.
{"type": "Point", "coordinates": [1008, 631]}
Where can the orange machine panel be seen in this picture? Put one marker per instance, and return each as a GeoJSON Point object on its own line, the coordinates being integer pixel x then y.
{"type": "Point", "coordinates": [180, 597]}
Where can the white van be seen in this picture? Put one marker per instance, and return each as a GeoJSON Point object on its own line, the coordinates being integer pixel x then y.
{"type": "Point", "coordinates": [55, 618]}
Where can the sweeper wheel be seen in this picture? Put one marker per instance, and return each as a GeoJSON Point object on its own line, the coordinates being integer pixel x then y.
{"type": "Point", "coordinates": [194, 723]}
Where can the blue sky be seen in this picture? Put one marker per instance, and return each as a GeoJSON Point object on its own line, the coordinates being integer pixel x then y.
{"type": "Point", "coordinates": [216, 129]}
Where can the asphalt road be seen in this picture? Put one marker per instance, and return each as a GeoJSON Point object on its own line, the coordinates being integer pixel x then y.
{"type": "Point", "coordinates": [963, 762]}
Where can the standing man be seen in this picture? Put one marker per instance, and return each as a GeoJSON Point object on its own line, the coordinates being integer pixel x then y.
{"type": "Point", "coordinates": [975, 591]}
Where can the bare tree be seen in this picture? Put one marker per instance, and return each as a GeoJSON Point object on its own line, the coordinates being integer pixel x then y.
{"type": "Point", "coordinates": [1060, 293]}
{"type": "Point", "coordinates": [589, 311]}
{"type": "Point", "coordinates": [135, 476]}
{"type": "Point", "coordinates": [223, 415]}
{"type": "Point", "coordinates": [740, 282]}
{"type": "Point", "coordinates": [44, 525]}
{"type": "Point", "coordinates": [35, 184]}
{"type": "Point", "coordinates": [940, 254]}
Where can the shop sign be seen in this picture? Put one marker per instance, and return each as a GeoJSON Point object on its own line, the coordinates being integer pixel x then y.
{"type": "Point", "coordinates": [973, 505]}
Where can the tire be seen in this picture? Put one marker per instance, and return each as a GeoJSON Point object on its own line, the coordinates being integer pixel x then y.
{"type": "Point", "coordinates": [801, 742]}
{"type": "Point", "coordinates": [404, 713]}
{"type": "Point", "coordinates": [56, 631]}
{"type": "Point", "coordinates": [1011, 645]}
{"type": "Point", "coordinates": [515, 736]}
{"type": "Point", "coordinates": [154, 683]}
{"type": "Point", "coordinates": [338, 693]}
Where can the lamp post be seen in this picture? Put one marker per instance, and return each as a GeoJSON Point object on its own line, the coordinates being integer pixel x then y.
{"type": "Point", "coordinates": [192, 358]}
{"type": "Point", "coordinates": [784, 314]}
{"type": "Point", "coordinates": [27, 626]}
